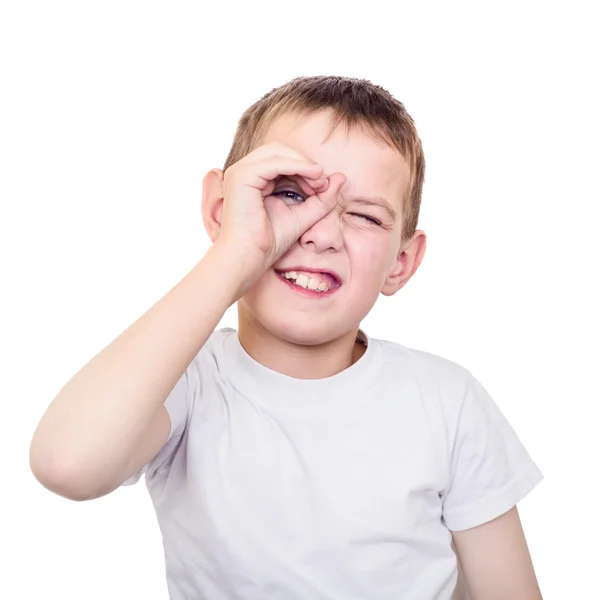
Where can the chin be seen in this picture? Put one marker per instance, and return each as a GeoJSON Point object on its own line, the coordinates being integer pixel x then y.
{"type": "Point", "coordinates": [300, 322]}
{"type": "Point", "coordinates": [302, 331]}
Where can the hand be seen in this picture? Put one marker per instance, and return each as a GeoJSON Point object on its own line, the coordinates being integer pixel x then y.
{"type": "Point", "coordinates": [260, 227]}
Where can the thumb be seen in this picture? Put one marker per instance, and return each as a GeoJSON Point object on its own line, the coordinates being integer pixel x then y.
{"type": "Point", "coordinates": [320, 204]}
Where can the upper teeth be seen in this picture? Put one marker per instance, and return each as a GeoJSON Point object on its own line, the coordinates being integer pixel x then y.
{"type": "Point", "coordinates": [305, 281]}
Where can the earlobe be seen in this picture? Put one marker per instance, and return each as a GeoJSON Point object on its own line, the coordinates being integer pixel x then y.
{"type": "Point", "coordinates": [407, 262]}
{"type": "Point", "coordinates": [212, 203]}
{"type": "Point", "coordinates": [396, 278]}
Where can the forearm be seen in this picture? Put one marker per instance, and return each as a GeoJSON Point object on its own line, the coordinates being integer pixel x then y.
{"type": "Point", "coordinates": [98, 418]}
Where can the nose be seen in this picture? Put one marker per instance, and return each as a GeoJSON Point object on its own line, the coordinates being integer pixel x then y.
{"type": "Point", "coordinates": [324, 235]}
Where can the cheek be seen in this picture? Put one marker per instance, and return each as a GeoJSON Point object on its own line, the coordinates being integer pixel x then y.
{"type": "Point", "coordinates": [369, 259]}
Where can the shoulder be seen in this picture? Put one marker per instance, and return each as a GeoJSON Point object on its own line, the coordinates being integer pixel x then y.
{"type": "Point", "coordinates": [216, 345]}
{"type": "Point", "coordinates": [210, 357]}
{"type": "Point", "coordinates": [427, 381]}
{"type": "Point", "coordinates": [421, 364]}
{"type": "Point", "coordinates": [441, 384]}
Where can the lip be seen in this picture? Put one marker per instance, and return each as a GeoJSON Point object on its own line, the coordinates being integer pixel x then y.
{"type": "Point", "coordinates": [338, 280]}
{"type": "Point", "coordinates": [305, 291]}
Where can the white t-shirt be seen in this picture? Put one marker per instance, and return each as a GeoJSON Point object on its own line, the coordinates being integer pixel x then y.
{"type": "Point", "coordinates": [342, 488]}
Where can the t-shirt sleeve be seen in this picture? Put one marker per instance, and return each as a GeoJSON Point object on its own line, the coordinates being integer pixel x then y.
{"type": "Point", "coordinates": [177, 405]}
{"type": "Point", "coordinates": [491, 471]}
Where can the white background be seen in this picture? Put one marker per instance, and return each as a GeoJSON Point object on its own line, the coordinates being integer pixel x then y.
{"type": "Point", "coordinates": [112, 112]}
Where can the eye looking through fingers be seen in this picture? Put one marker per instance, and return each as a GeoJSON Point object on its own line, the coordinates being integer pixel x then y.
{"type": "Point", "coordinates": [289, 196]}
{"type": "Point", "coordinates": [300, 186]}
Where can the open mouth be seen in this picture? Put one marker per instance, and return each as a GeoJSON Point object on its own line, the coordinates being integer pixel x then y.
{"type": "Point", "coordinates": [320, 282]}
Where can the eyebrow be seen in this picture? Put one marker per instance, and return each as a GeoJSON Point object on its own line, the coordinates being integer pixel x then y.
{"type": "Point", "coordinates": [377, 201]}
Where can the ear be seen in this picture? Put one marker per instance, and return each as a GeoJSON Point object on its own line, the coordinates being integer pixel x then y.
{"type": "Point", "coordinates": [212, 203]}
{"type": "Point", "coordinates": [407, 261]}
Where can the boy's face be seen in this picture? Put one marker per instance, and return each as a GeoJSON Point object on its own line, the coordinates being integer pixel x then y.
{"type": "Point", "coordinates": [358, 242]}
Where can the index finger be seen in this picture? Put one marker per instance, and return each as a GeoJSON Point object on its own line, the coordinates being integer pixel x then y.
{"type": "Point", "coordinates": [276, 149]}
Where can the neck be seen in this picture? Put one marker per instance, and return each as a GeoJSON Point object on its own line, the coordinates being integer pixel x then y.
{"type": "Point", "coordinates": [295, 360]}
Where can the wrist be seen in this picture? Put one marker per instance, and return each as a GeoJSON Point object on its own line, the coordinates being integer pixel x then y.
{"type": "Point", "coordinates": [234, 269]}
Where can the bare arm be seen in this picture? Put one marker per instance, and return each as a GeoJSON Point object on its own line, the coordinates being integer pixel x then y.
{"type": "Point", "coordinates": [496, 560]}
{"type": "Point", "coordinates": [109, 420]}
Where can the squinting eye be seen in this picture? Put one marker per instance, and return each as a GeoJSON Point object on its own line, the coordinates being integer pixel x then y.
{"type": "Point", "coordinates": [289, 196]}
{"type": "Point", "coordinates": [370, 219]}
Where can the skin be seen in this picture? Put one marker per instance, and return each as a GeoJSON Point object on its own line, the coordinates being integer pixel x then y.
{"type": "Point", "coordinates": [496, 561]}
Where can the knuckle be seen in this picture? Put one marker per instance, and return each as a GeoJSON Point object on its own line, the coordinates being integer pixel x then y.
{"type": "Point", "coordinates": [230, 173]}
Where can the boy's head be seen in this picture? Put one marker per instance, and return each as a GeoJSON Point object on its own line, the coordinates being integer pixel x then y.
{"type": "Point", "coordinates": [372, 246]}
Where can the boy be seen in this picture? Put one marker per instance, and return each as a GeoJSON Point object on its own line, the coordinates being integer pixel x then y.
{"type": "Point", "coordinates": [297, 458]}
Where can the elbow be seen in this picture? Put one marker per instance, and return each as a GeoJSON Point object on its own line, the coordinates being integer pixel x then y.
{"type": "Point", "coordinates": [62, 478]}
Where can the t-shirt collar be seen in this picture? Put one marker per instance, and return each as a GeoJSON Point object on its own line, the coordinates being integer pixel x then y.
{"type": "Point", "coordinates": [282, 393]}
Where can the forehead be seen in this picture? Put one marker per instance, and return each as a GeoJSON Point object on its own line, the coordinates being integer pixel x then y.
{"type": "Point", "coordinates": [371, 168]}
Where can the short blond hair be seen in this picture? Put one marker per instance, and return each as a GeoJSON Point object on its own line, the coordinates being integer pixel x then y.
{"type": "Point", "coordinates": [354, 102]}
